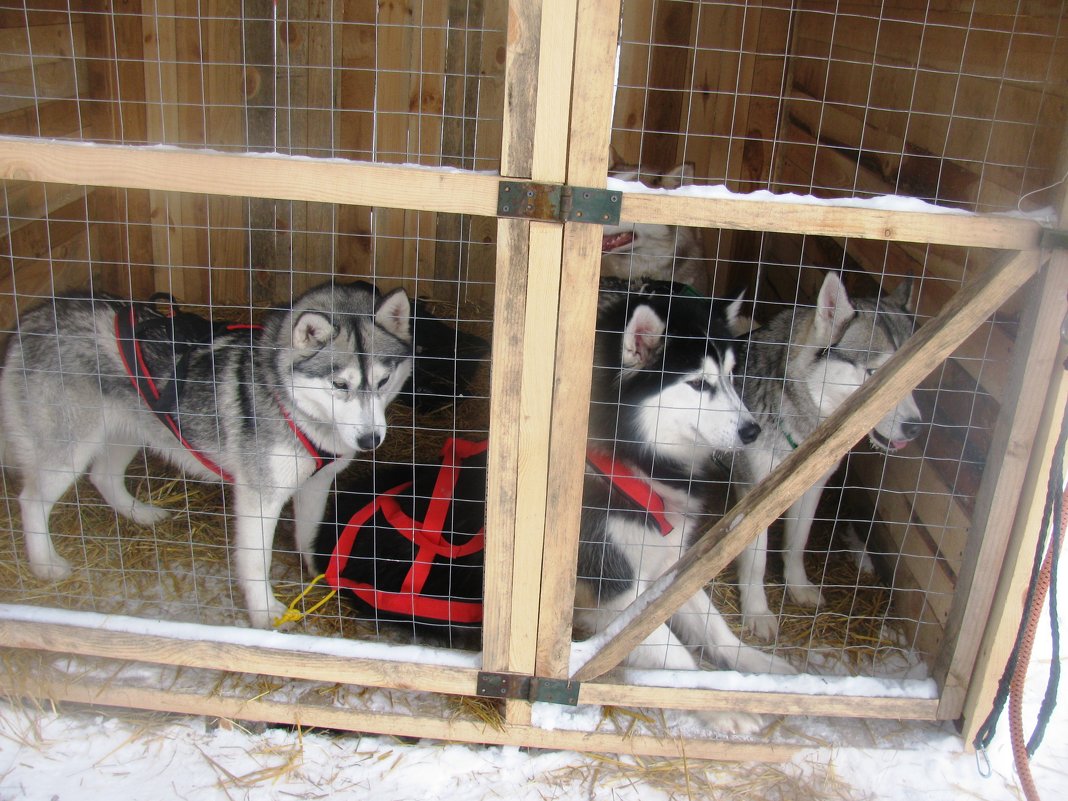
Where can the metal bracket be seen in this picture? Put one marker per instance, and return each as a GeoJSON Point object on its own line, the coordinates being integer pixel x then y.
{"type": "Point", "coordinates": [527, 688]}
{"type": "Point", "coordinates": [558, 203]}
{"type": "Point", "coordinates": [554, 691]}
{"type": "Point", "coordinates": [502, 685]}
{"type": "Point", "coordinates": [1054, 239]}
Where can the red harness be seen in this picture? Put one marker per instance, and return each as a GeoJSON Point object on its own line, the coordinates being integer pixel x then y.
{"type": "Point", "coordinates": [635, 488]}
{"type": "Point", "coordinates": [185, 331]}
{"type": "Point", "coordinates": [426, 534]}
{"type": "Point", "coordinates": [433, 549]}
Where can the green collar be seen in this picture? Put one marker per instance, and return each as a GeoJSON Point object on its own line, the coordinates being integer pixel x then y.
{"type": "Point", "coordinates": [786, 434]}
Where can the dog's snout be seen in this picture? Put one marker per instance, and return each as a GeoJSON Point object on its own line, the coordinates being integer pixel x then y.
{"type": "Point", "coordinates": [911, 429]}
{"type": "Point", "coordinates": [370, 440]}
{"type": "Point", "coordinates": [748, 432]}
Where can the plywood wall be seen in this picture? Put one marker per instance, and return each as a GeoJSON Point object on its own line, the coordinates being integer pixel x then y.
{"type": "Point", "coordinates": [413, 82]}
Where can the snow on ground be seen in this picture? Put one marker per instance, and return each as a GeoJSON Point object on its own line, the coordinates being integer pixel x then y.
{"type": "Point", "coordinates": [76, 753]}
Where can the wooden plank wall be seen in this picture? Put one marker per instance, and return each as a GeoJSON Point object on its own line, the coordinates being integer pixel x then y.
{"type": "Point", "coordinates": [959, 106]}
{"type": "Point", "coordinates": [405, 82]}
{"type": "Point", "coordinates": [699, 83]}
{"type": "Point", "coordinates": [42, 56]}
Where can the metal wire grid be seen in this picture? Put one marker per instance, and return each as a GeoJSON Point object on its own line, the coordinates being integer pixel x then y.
{"type": "Point", "coordinates": [180, 568]}
{"type": "Point", "coordinates": [415, 82]}
{"type": "Point", "coordinates": [285, 271]}
{"type": "Point", "coordinates": [958, 107]}
{"type": "Point", "coordinates": [889, 531]}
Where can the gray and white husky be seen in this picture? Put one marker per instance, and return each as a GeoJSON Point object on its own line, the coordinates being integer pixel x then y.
{"type": "Point", "coordinates": [663, 404]}
{"type": "Point", "coordinates": [651, 251]}
{"type": "Point", "coordinates": [799, 369]}
{"type": "Point", "coordinates": [276, 410]}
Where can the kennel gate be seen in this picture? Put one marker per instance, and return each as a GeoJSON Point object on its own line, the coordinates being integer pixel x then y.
{"type": "Point", "coordinates": [543, 289]}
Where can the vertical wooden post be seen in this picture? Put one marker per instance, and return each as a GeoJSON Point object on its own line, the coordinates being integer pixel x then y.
{"type": "Point", "coordinates": [534, 146]}
{"type": "Point", "coordinates": [510, 288]}
{"type": "Point", "coordinates": [988, 603]}
{"type": "Point", "coordinates": [590, 131]}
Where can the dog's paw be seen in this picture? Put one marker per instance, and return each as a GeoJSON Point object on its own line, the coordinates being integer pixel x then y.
{"type": "Point", "coordinates": [55, 568]}
{"type": "Point", "coordinates": [807, 595]}
{"type": "Point", "coordinates": [267, 618]}
{"type": "Point", "coordinates": [146, 514]}
{"type": "Point", "coordinates": [864, 563]}
{"type": "Point", "coordinates": [762, 625]}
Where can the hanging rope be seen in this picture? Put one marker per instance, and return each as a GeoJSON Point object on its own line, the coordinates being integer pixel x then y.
{"type": "Point", "coordinates": [1043, 583]}
{"type": "Point", "coordinates": [1021, 753]}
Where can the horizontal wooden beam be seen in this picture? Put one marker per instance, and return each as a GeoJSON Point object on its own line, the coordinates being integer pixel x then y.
{"type": "Point", "coordinates": [766, 703]}
{"type": "Point", "coordinates": [427, 189]}
{"type": "Point", "coordinates": [249, 175]}
{"type": "Point", "coordinates": [110, 692]}
{"type": "Point", "coordinates": [862, 221]}
{"type": "Point", "coordinates": [294, 664]}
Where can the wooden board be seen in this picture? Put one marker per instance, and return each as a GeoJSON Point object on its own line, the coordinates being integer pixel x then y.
{"type": "Point", "coordinates": [996, 504]}
{"type": "Point", "coordinates": [87, 691]}
{"type": "Point", "coordinates": [587, 166]}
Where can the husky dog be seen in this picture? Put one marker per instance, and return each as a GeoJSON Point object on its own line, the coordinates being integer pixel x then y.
{"type": "Point", "coordinates": [663, 404]}
{"type": "Point", "coordinates": [277, 410]}
{"type": "Point", "coordinates": [640, 251]}
{"type": "Point", "coordinates": [799, 369]}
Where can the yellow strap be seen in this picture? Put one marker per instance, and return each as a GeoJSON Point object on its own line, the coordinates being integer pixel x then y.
{"type": "Point", "coordinates": [294, 615]}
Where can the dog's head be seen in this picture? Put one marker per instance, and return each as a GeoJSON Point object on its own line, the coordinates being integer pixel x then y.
{"type": "Point", "coordinates": [852, 339]}
{"type": "Point", "coordinates": [666, 362]}
{"type": "Point", "coordinates": [636, 250]}
{"type": "Point", "coordinates": [350, 354]}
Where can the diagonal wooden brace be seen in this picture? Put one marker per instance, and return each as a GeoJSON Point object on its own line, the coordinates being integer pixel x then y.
{"type": "Point", "coordinates": [722, 541]}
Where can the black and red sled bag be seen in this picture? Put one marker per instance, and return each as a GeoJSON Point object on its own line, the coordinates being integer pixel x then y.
{"type": "Point", "coordinates": [415, 551]}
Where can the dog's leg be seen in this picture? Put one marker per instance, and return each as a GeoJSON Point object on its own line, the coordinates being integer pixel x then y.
{"type": "Point", "coordinates": [798, 525]}
{"type": "Point", "coordinates": [700, 624]}
{"type": "Point", "coordinates": [662, 650]}
{"type": "Point", "coordinates": [108, 475]}
{"type": "Point", "coordinates": [41, 488]}
{"type": "Point", "coordinates": [257, 515]}
{"type": "Point", "coordinates": [309, 503]}
{"type": "Point", "coordinates": [751, 563]}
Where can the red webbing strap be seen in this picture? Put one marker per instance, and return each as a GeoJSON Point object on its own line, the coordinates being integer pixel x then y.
{"type": "Point", "coordinates": [630, 484]}
{"type": "Point", "coordinates": [426, 535]}
{"type": "Point", "coordinates": [141, 377]}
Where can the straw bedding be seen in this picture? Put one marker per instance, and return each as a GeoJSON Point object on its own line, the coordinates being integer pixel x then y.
{"type": "Point", "coordinates": [179, 569]}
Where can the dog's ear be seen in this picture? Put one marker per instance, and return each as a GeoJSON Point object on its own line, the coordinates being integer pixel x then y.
{"type": "Point", "coordinates": [394, 313]}
{"type": "Point", "coordinates": [902, 295]}
{"type": "Point", "coordinates": [739, 324]}
{"type": "Point", "coordinates": [642, 337]}
{"type": "Point", "coordinates": [833, 309]}
{"type": "Point", "coordinates": [679, 176]}
{"type": "Point", "coordinates": [312, 330]}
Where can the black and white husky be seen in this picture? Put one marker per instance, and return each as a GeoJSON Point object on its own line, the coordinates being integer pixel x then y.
{"type": "Point", "coordinates": [798, 369]}
{"type": "Point", "coordinates": [663, 405]}
{"type": "Point", "coordinates": [276, 410]}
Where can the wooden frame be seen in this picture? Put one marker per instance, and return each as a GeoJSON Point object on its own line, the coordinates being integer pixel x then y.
{"type": "Point", "coordinates": [545, 294]}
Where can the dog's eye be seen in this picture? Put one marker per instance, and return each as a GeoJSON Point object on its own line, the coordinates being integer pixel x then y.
{"type": "Point", "coordinates": [341, 385]}
{"type": "Point", "coordinates": [700, 385]}
{"type": "Point", "coordinates": [382, 382]}
{"type": "Point", "coordinates": [870, 372]}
